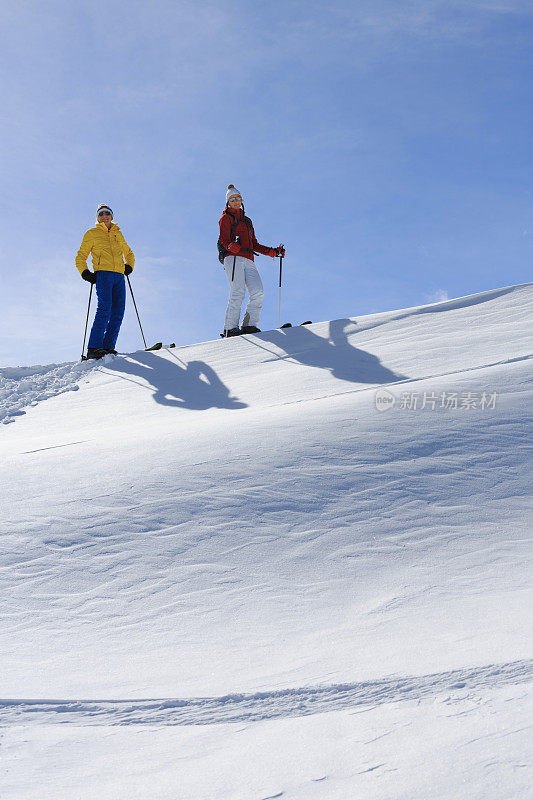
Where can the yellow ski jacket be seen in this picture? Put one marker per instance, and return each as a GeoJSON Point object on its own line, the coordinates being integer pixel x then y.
{"type": "Point", "coordinates": [108, 249]}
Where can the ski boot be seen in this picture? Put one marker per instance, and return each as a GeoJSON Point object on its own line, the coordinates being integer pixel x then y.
{"type": "Point", "coordinates": [95, 352]}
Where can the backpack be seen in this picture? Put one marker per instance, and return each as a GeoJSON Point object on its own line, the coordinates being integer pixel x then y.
{"type": "Point", "coordinates": [222, 252]}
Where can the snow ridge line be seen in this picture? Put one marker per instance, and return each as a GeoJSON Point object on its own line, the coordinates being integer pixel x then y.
{"type": "Point", "coordinates": [263, 705]}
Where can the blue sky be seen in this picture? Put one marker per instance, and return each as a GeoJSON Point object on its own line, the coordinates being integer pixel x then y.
{"type": "Point", "coordinates": [387, 144]}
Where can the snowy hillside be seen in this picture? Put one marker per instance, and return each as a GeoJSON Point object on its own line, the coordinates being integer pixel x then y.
{"type": "Point", "coordinates": [287, 565]}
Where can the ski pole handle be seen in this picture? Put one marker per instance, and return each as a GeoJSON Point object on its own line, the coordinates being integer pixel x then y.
{"type": "Point", "coordinates": [237, 240]}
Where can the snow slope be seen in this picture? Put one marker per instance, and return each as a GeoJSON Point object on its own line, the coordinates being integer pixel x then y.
{"type": "Point", "coordinates": [226, 573]}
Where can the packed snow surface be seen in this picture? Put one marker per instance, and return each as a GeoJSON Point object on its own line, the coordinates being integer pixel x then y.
{"type": "Point", "coordinates": [286, 565]}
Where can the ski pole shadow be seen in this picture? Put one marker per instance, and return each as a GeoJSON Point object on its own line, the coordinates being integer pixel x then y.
{"type": "Point", "coordinates": [175, 383]}
{"type": "Point", "coordinates": [336, 354]}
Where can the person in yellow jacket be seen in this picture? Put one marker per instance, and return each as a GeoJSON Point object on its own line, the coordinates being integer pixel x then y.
{"type": "Point", "coordinates": [112, 258]}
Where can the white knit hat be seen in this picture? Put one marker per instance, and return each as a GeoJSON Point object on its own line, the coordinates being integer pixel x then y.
{"type": "Point", "coordinates": [231, 191]}
{"type": "Point", "coordinates": [103, 207]}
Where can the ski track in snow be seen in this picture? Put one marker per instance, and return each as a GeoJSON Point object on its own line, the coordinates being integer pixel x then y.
{"type": "Point", "coordinates": [23, 387]}
{"type": "Point", "coordinates": [264, 705]}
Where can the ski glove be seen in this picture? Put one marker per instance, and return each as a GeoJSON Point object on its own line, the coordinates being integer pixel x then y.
{"type": "Point", "coordinates": [280, 251]}
{"type": "Point", "coordinates": [89, 276]}
{"type": "Point", "coordinates": [234, 247]}
{"type": "Point", "coordinates": [127, 269]}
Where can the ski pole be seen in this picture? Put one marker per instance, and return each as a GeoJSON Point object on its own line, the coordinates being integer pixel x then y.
{"type": "Point", "coordinates": [135, 304]}
{"type": "Point", "coordinates": [280, 263]}
{"type": "Point", "coordinates": [86, 322]}
{"type": "Point", "coordinates": [237, 239]}
{"type": "Point", "coordinates": [232, 279]}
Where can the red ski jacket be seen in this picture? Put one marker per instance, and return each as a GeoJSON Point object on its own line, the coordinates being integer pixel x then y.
{"type": "Point", "coordinates": [244, 230]}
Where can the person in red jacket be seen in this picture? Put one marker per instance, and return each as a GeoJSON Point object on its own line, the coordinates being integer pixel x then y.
{"type": "Point", "coordinates": [237, 237]}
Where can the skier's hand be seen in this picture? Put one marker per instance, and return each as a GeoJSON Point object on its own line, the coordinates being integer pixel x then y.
{"type": "Point", "coordinates": [234, 247]}
{"type": "Point", "coordinates": [280, 250]}
{"type": "Point", "coordinates": [89, 276]}
{"type": "Point", "coordinates": [127, 269]}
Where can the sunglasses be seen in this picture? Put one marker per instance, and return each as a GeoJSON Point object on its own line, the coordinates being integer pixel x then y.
{"type": "Point", "coordinates": [104, 214]}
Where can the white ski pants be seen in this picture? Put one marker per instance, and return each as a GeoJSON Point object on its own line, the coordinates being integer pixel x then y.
{"type": "Point", "coordinates": [246, 277]}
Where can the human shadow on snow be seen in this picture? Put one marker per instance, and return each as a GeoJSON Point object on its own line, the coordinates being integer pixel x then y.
{"type": "Point", "coordinates": [335, 354]}
{"type": "Point", "coordinates": [175, 383]}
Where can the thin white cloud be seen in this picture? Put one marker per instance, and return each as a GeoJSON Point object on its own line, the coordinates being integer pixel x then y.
{"type": "Point", "coordinates": [438, 296]}
{"type": "Point", "coordinates": [372, 27]}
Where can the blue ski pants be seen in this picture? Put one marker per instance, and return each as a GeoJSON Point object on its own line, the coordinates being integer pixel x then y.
{"type": "Point", "coordinates": [111, 292]}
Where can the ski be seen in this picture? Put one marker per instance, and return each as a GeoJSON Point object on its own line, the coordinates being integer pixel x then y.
{"type": "Point", "coordinates": [285, 325]}
{"type": "Point", "coordinates": [158, 346]}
